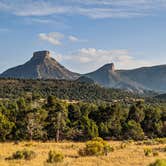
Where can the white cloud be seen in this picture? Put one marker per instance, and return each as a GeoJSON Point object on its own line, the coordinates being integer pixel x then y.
{"type": "Point", "coordinates": [52, 37]}
{"type": "Point", "coordinates": [89, 59]}
{"type": "Point", "coordinates": [55, 38]}
{"type": "Point", "coordinates": [73, 38]}
{"type": "Point", "coordinates": [96, 9]}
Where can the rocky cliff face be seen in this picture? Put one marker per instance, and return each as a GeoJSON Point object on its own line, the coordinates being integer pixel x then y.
{"type": "Point", "coordinates": [41, 66]}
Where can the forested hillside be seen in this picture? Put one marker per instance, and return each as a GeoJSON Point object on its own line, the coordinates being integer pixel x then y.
{"type": "Point", "coordinates": [71, 90]}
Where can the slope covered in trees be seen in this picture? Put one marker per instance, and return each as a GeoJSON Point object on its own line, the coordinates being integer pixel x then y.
{"type": "Point", "coordinates": [71, 90]}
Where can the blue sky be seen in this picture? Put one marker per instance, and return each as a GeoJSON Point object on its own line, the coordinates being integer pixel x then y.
{"type": "Point", "coordinates": [84, 34]}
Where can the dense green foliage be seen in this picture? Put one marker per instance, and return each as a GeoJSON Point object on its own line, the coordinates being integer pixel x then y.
{"type": "Point", "coordinates": [71, 90]}
{"type": "Point", "coordinates": [54, 119]}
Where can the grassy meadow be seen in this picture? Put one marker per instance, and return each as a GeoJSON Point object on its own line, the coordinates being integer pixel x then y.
{"type": "Point", "coordinates": [124, 154]}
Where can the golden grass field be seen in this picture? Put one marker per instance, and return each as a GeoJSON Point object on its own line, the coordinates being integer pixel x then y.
{"type": "Point", "coordinates": [131, 155]}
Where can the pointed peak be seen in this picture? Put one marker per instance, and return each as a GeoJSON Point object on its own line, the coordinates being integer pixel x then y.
{"type": "Point", "coordinates": [109, 66]}
{"type": "Point", "coordinates": [41, 54]}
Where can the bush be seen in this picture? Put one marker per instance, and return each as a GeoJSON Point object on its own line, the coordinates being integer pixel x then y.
{"type": "Point", "coordinates": [148, 152]}
{"type": "Point", "coordinates": [29, 154]}
{"type": "Point", "coordinates": [97, 146]}
{"type": "Point", "coordinates": [22, 154]}
{"type": "Point", "coordinates": [54, 157]}
{"type": "Point", "coordinates": [18, 155]}
{"type": "Point", "coordinates": [159, 163]}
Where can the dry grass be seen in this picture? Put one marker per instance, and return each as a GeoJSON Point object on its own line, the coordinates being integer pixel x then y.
{"type": "Point", "coordinates": [130, 155]}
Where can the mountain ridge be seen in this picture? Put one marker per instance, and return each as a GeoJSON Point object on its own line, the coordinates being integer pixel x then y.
{"type": "Point", "coordinates": [139, 79]}
{"type": "Point", "coordinates": [43, 66]}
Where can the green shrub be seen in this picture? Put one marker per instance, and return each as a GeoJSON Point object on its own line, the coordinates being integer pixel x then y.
{"type": "Point", "coordinates": [96, 147]}
{"type": "Point", "coordinates": [22, 154]}
{"type": "Point", "coordinates": [159, 163]}
{"type": "Point", "coordinates": [54, 157]}
{"type": "Point", "coordinates": [148, 152]}
{"type": "Point", "coordinates": [18, 155]}
{"type": "Point", "coordinates": [29, 154]}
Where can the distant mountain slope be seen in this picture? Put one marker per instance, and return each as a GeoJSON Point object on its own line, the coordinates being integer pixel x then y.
{"type": "Point", "coordinates": [107, 76]}
{"type": "Point", "coordinates": [150, 77]}
{"type": "Point", "coordinates": [41, 66]}
{"type": "Point", "coordinates": [136, 80]}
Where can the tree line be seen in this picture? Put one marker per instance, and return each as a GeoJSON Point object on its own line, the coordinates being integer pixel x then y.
{"type": "Point", "coordinates": [22, 119]}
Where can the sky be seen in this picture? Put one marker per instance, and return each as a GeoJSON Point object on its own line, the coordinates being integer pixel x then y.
{"type": "Point", "coordinates": [83, 35]}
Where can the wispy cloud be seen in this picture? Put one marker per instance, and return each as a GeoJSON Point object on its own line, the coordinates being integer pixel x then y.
{"type": "Point", "coordinates": [53, 37]}
{"type": "Point", "coordinates": [73, 38]}
{"type": "Point", "coordinates": [96, 9]}
{"type": "Point", "coordinates": [56, 37]}
{"type": "Point", "coordinates": [89, 59]}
